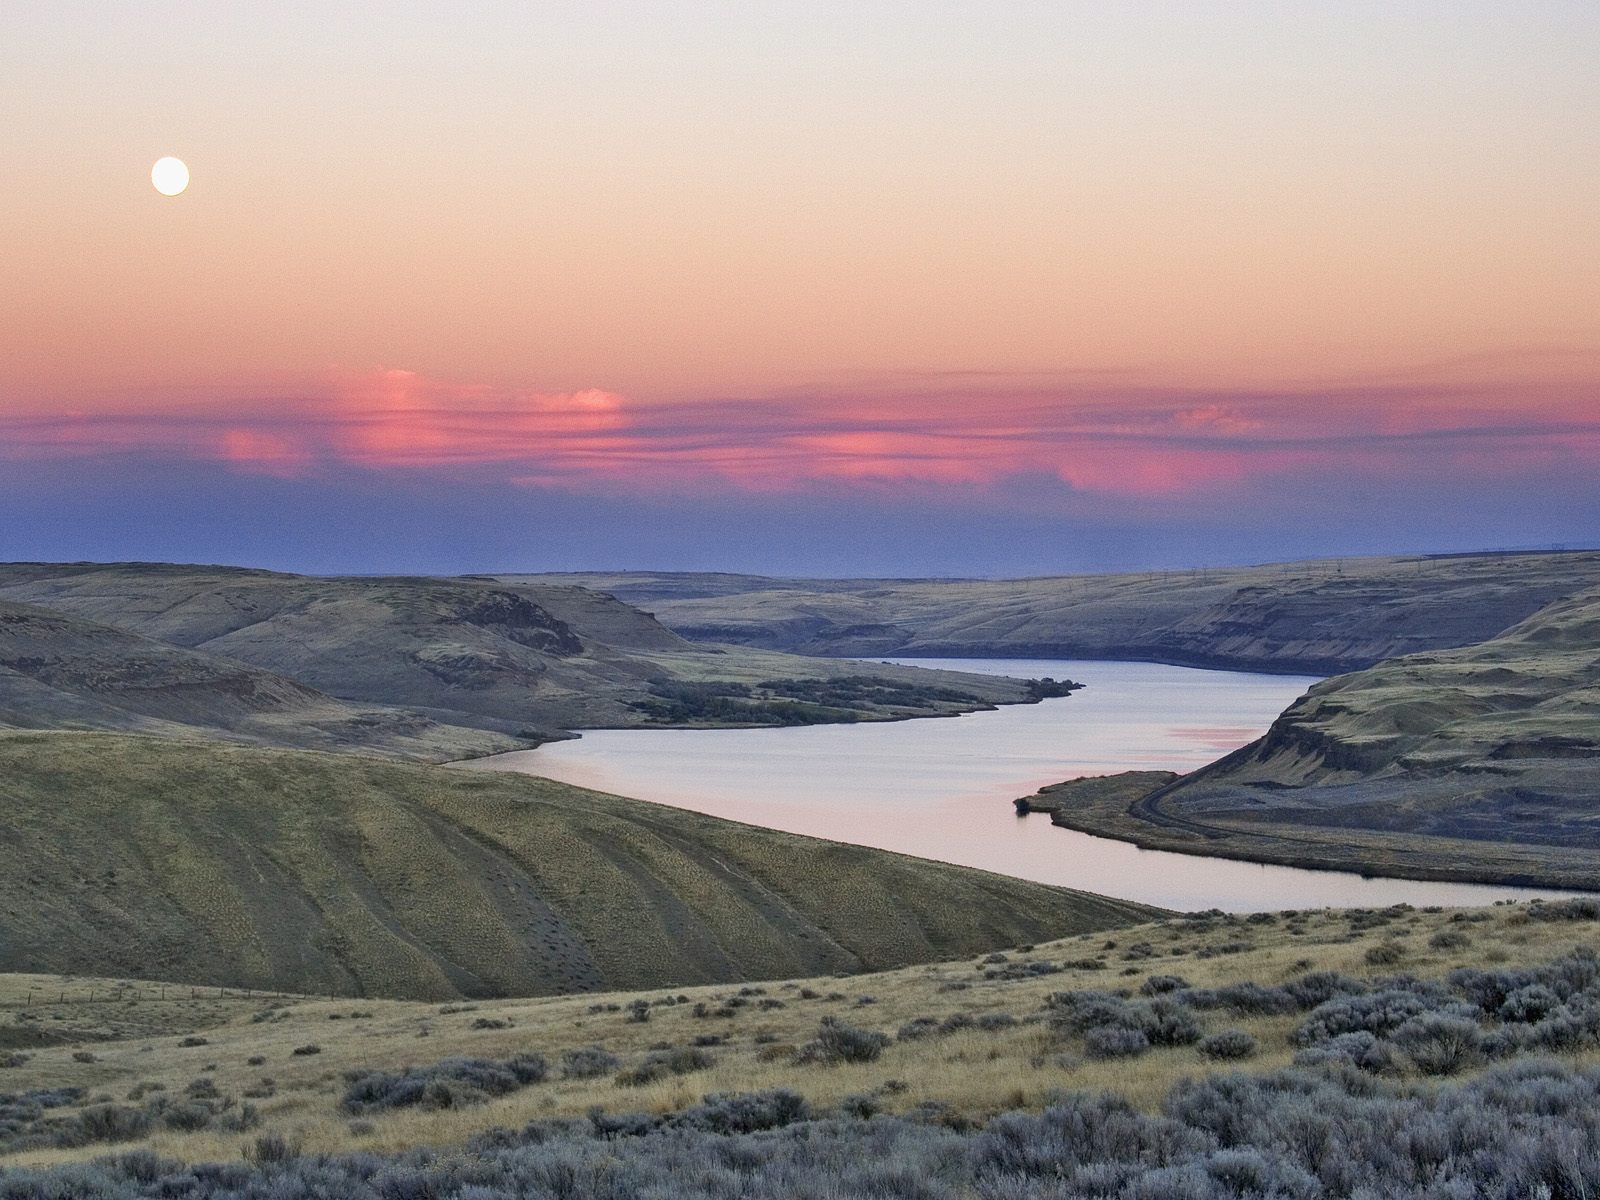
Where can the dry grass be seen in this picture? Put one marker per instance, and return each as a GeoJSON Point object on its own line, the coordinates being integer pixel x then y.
{"type": "Point", "coordinates": [974, 1072]}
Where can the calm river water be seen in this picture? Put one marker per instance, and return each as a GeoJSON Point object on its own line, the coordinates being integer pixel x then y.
{"type": "Point", "coordinates": [942, 788]}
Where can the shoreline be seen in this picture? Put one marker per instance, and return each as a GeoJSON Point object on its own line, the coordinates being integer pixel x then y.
{"type": "Point", "coordinates": [1106, 810]}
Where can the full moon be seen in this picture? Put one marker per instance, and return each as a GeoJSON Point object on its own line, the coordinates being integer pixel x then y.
{"type": "Point", "coordinates": [169, 175]}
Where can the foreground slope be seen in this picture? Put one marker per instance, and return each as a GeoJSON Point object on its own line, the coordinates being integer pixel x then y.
{"type": "Point", "coordinates": [1306, 617]}
{"type": "Point", "coordinates": [1480, 762]}
{"type": "Point", "coordinates": [526, 661]}
{"type": "Point", "coordinates": [1357, 1053]}
{"type": "Point", "coordinates": [60, 671]}
{"type": "Point", "coordinates": [334, 873]}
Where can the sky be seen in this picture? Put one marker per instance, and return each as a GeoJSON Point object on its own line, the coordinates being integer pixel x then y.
{"type": "Point", "coordinates": [858, 288]}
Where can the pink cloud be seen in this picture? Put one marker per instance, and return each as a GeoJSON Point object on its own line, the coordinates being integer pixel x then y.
{"type": "Point", "coordinates": [394, 418]}
{"type": "Point", "coordinates": [269, 453]}
{"type": "Point", "coordinates": [1215, 416]}
{"type": "Point", "coordinates": [1115, 439]}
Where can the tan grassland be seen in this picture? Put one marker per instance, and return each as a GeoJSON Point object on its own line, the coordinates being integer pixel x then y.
{"type": "Point", "coordinates": [136, 1040]}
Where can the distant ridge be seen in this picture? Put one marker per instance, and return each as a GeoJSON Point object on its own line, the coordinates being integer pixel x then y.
{"type": "Point", "coordinates": [1321, 617]}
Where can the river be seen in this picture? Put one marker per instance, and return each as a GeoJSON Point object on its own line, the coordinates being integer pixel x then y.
{"type": "Point", "coordinates": [941, 788]}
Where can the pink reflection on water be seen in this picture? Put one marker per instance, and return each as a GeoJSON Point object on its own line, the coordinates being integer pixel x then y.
{"type": "Point", "coordinates": [1219, 739]}
{"type": "Point", "coordinates": [942, 789]}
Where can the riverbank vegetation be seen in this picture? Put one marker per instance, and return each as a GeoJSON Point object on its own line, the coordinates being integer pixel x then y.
{"type": "Point", "coordinates": [816, 701]}
{"type": "Point", "coordinates": [728, 702]}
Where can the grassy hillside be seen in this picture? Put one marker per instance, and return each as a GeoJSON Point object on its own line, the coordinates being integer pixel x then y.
{"type": "Point", "coordinates": [1478, 762]}
{"type": "Point", "coordinates": [60, 671]}
{"type": "Point", "coordinates": [526, 661]}
{"type": "Point", "coordinates": [1529, 694]}
{"type": "Point", "coordinates": [317, 872]}
{"type": "Point", "coordinates": [1307, 617]}
{"type": "Point", "coordinates": [1226, 1052]}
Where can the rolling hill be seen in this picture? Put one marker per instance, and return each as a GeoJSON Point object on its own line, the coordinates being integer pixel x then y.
{"type": "Point", "coordinates": [531, 662]}
{"type": "Point", "coordinates": [309, 872]}
{"type": "Point", "coordinates": [60, 671]}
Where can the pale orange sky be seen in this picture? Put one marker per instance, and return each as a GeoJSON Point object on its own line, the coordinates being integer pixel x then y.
{"type": "Point", "coordinates": [1190, 253]}
{"type": "Point", "coordinates": [715, 200]}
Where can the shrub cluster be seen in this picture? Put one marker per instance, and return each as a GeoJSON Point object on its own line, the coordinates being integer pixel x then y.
{"type": "Point", "coordinates": [1229, 1044]}
{"type": "Point", "coordinates": [1442, 1028]}
{"type": "Point", "coordinates": [919, 1028]}
{"type": "Point", "coordinates": [451, 1083]}
{"type": "Point", "coordinates": [1378, 1013]}
{"type": "Point", "coordinates": [1580, 908]}
{"type": "Point", "coordinates": [589, 1062]}
{"type": "Point", "coordinates": [59, 1117]}
{"type": "Point", "coordinates": [1012, 971]}
{"type": "Point", "coordinates": [1438, 1027]}
{"type": "Point", "coordinates": [1528, 1129]}
{"type": "Point", "coordinates": [837, 1042]}
{"type": "Point", "coordinates": [1114, 1026]}
{"type": "Point", "coordinates": [662, 1064]}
